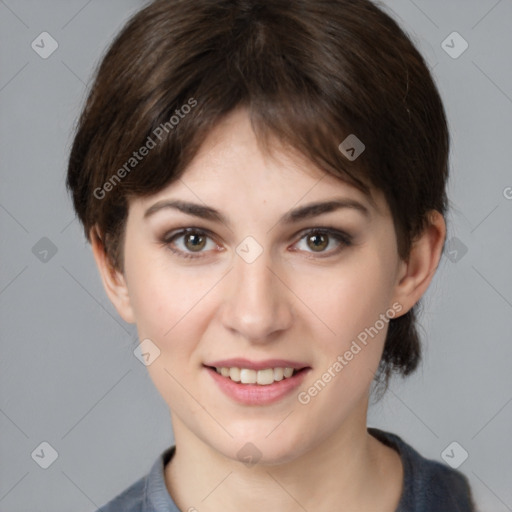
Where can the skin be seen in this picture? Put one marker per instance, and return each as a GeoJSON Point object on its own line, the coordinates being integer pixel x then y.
{"type": "Point", "coordinates": [300, 304]}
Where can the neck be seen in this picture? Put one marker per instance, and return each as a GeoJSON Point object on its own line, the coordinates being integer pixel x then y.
{"type": "Point", "coordinates": [350, 470]}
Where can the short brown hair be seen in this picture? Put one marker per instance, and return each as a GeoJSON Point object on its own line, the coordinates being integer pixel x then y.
{"type": "Point", "coordinates": [309, 72]}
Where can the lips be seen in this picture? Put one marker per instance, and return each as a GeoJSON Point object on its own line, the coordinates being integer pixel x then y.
{"type": "Point", "coordinates": [255, 383]}
{"type": "Point", "coordinates": [256, 365]}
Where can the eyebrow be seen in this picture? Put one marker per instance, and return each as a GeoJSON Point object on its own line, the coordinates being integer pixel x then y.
{"type": "Point", "coordinates": [304, 212]}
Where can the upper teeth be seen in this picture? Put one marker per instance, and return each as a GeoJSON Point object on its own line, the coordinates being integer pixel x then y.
{"type": "Point", "coordinates": [263, 377]}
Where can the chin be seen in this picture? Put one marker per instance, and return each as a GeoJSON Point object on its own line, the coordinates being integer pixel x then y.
{"type": "Point", "coordinates": [255, 445]}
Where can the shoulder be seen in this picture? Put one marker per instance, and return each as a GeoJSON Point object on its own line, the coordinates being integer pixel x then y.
{"type": "Point", "coordinates": [429, 486]}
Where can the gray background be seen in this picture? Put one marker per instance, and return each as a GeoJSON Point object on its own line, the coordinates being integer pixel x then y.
{"type": "Point", "coordinates": [68, 375]}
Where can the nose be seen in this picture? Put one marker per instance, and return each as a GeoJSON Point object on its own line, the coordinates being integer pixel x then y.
{"type": "Point", "coordinates": [257, 303]}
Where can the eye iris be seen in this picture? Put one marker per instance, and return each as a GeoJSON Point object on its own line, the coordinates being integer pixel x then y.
{"type": "Point", "coordinates": [195, 237]}
{"type": "Point", "coordinates": [316, 237]}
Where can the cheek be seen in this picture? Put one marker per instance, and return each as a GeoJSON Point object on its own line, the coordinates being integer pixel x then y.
{"type": "Point", "coordinates": [351, 298]}
{"type": "Point", "coordinates": [170, 306]}
{"type": "Point", "coordinates": [169, 302]}
{"type": "Point", "coordinates": [351, 303]}
{"type": "Point", "coordinates": [349, 351]}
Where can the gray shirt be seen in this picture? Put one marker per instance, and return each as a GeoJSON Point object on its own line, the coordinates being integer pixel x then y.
{"type": "Point", "coordinates": [428, 485]}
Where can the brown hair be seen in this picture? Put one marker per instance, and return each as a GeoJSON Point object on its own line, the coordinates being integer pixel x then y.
{"type": "Point", "coordinates": [309, 72]}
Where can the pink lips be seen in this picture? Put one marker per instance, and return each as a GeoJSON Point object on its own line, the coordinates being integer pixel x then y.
{"type": "Point", "coordinates": [255, 394]}
{"type": "Point", "coordinates": [256, 365]}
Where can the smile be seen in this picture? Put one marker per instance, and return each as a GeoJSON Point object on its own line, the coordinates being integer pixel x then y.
{"type": "Point", "coordinates": [257, 383]}
{"type": "Point", "coordinates": [263, 377]}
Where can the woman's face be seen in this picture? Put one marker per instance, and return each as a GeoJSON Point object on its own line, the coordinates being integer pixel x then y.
{"type": "Point", "coordinates": [272, 285]}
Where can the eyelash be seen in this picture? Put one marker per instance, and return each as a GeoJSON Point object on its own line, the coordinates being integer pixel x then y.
{"type": "Point", "coordinates": [343, 238]}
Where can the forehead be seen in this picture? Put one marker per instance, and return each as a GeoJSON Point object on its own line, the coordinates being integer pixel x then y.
{"type": "Point", "coordinates": [234, 167]}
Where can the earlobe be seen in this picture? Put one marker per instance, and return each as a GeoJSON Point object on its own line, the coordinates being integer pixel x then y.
{"type": "Point", "coordinates": [416, 274]}
{"type": "Point", "coordinates": [113, 280]}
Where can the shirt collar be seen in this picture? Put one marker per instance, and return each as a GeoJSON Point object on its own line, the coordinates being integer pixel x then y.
{"type": "Point", "coordinates": [156, 495]}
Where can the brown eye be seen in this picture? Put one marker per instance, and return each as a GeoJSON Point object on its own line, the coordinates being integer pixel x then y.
{"type": "Point", "coordinates": [194, 242]}
{"type": "Point", "coordinates": [189, 243]}
{"type": "Point", "coordinates": [318, 241]}
{"type": "Point", "coordinates": [324, 242]}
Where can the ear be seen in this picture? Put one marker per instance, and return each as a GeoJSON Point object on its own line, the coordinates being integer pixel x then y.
{"type": "Point", "coordinates": [416, 273]}
{"type": "Point", "coordinates": [113, 280]}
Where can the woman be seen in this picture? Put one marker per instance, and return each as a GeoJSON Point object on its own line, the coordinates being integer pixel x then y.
{"type": "Point", "coordinates": [263, 187]}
